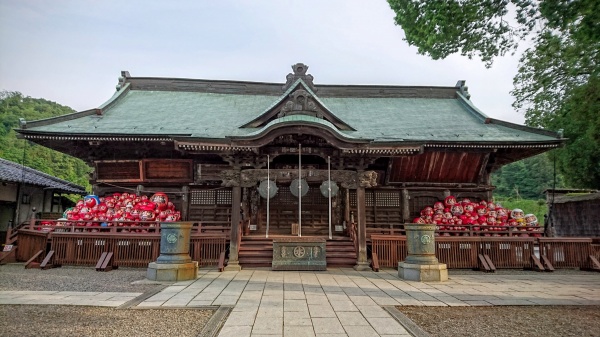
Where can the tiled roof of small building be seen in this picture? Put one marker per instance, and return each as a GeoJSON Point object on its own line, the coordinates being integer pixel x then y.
{"type": "Point", "coordinates": [16, 173]}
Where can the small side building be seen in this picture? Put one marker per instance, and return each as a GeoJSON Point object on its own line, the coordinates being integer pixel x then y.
{"type": "Point", "coordinates": [574, 213]}
{"type": "Point", "coordinates": [25, 191]}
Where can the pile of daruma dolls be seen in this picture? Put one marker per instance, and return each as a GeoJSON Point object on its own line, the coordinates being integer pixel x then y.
{"type": "Point", "coordinates": [135, 213]}
{"type": "Point", "coordinates": [452, 217]}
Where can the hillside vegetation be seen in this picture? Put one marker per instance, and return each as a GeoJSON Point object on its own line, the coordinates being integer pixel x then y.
{"type": "Point", "coordinates": [13, 105]}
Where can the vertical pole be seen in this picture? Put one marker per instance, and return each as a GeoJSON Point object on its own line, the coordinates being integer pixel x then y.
{"type": "Point", "coordinates": [329, 189]}
{"type": "Point", "coordinates": [234, 263]}
{"type": "Point", "coordinates": [268, 195]}
{"type": "Point", "coordinates": [362, 263]}
{"type": "Point", "coordinates": [299, 189]}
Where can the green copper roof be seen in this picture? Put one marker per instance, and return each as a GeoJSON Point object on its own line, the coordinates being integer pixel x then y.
{"type": "Point", "coordinates": [214, 115]}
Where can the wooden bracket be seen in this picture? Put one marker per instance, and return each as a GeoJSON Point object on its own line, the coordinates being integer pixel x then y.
{"type": "Point", "coordinates": [30, 263]}
{"type": "Point", "coordinates": [8, 256]}
{"type": "Point", "coordinates": [483, 263]}
{"type": "Point", "coordinates": [105, 263]}
{"type": "Point", "coordinates": [537, 265]}
{"type": "Point", "coordinates": [49, 259]}
{"type": "Point", "coordinates": [375, 262]}
{"type": "Point", "coordinates": [486, 263]}
{"type": "Point", "coordinates": [547, 263]}
{"type": "Point", "coordinates": [595, 265]}
{"type": "Point", "coordinates": [222, 261]}
{"type": "Point", "coordinates": [490, 263]}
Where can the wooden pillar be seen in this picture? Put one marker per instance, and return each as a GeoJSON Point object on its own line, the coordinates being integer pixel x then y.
{"type": "Point", "coordinates": [234, 264]}
{"type": "Point", "coordinates": [361, 264]}
{"type": "Point", "coordinates": [185, 205]}
{"type": "Point", "coordinates": [405, 205]}
{"type": "Point", "coordinates": [347, 206]}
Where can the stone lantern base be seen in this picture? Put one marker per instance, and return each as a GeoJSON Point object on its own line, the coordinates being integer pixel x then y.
{"type": "Point", "coordinates": [423, 272]}
{"type": "Point", "coordinates": [172, 272]}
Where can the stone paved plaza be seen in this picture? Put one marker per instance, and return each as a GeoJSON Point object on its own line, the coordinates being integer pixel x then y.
{"type": "Point", "coordinates": [337, 302]}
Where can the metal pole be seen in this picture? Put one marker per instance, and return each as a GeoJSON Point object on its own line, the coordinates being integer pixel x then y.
{"type": "Point", "coordinates": [329, 189]}
{"type": "Point", "coordinates": [299, 189]}
{"type": "Point", "coordinates": [268, 195]}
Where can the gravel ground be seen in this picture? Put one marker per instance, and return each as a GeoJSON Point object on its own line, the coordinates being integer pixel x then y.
{"type": "Point", "coordinates": [507, 321]}
{"type": "Point", "coordinates": [43, 320]}
{"type": "Point", "coordinates": [57, 320]}
{"type": "Point", "coordinates": [15, 277]}
{"type": "Point", "coordinates": [60, 320]}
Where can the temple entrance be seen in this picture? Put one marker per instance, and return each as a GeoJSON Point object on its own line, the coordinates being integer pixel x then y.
{"type": "Point", "coordinates": [283, 212]}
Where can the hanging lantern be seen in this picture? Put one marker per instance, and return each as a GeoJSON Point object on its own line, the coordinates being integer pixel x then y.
{"type": "Point", "coordinates": [262, 189]}
{"type": "Point", "coordinates": [325, 188]}
{"type": "Point", "coordinates": [295, 187]}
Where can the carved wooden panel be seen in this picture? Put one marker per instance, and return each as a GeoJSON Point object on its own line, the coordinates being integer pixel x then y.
{"type": "Point", "coordinates": [118, 171]}
{"type": "Point", "coordinates": [207, 172]}
{"type": "Point", "coordinates": [168, 170]}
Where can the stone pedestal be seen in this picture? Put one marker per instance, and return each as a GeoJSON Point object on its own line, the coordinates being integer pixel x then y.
{"type": "Point", "coordinates": [174, 262]}
{"type": "Point", "coordinates": [421, 263]}
{"type": "Point", "coordinates": [423, 272]}
{"type": "Point", "coordinates": [299, 254]}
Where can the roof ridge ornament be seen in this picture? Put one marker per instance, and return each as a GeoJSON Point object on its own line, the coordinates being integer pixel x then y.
{"type": "Point", "coordinates": [463, 89]}
{"type": "Point", "coordinates": [300, 70]}
{"type": "Point", "coordinates": [300, 102]}
{"type": "Point", "coordinates": [122, 79]}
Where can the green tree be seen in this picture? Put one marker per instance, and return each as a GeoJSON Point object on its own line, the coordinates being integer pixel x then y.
{"type": "Point", "coordinates": [554, 75]}
{"type": "Point", "coordinates": [526, 179]}
{"type": "Point", "coordinates": [13, 105]}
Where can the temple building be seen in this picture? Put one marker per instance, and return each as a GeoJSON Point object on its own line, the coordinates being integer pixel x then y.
{"type": "Point", "coordinates": [233, 152]}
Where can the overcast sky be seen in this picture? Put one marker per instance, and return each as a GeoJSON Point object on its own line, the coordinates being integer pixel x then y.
{"type": "Point", "coordinates": [72, 52]}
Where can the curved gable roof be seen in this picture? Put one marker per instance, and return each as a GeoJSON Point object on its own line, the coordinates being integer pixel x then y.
{"type": "Point", "coordinates": [214, 110]}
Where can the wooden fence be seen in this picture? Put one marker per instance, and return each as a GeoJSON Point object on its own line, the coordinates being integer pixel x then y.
{"type": "Point", "coordinates": [31, 242]}
{"type": "Point", "coordinates": [84, 249]}
{"type": "Point", "coordinates": [457, 252]}
{"type": "Point", "coordinates": [567, 252]}
{"type": "Point", "coordinates": [74, 243]}
{"type": "Point", "coordinates": [511, 252]}
{"type": "Point", "coordinates": [505, 252]}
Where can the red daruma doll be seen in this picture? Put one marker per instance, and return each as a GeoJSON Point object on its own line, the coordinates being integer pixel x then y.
{"type": "Point", "coordinates": [161, 200]}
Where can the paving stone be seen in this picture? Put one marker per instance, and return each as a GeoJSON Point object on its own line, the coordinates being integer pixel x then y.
{"type": "Point", "coordinates": [235, 331]}
{"type": "Point", "coordinates": [267, 325]}
{"type": "Point", "coordinates": [351, 318]}
{"type": "Point", "coordinates": [360, 331]}
{"type": "Point", "coordinates": [327, 325]}
{"type": "Point", "coordinates": [298, 331]}
{"type": "Point", "coordinates": [387, 326]}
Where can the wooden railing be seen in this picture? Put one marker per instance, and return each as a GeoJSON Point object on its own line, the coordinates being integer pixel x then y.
{"type": "Point", "coordinates": [513, 252]}
{"type": "Point", "coordinates": [133, 244]}
{"type": "Point", "coordinates": [352, 232]}
{"type": "Point", "coordinates": [207, 249]}
{"type": "Point", "coordinates": [461, 230]}
{"type": "Point", "coordinates": [505, 252]}
{"type": "Point", "coordinates": [457, 252]}
{"type": "Point", "coordinates": [389, 249]}
{"type": "Point", "coordinates": [567, 252]}
{"type": "Point", "coordinates": [31, 242]}
{"type": "Point", "coordinates": [385, 229]}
